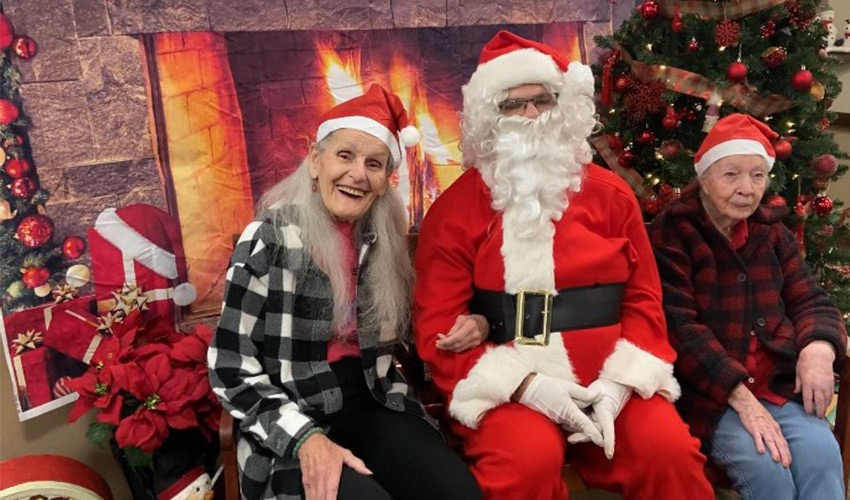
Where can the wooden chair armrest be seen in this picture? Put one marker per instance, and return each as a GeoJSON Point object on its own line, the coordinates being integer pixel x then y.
{"type": "Point", "coordinates": [228, 456]}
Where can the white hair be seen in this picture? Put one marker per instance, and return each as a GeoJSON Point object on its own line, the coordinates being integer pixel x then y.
{"type": "Point", "coordinates": [532, 165]}
{"type": "Point", "coordinates": [388, 277]}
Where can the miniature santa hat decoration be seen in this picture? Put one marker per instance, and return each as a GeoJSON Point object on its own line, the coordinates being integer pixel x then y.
{"type": "Point", "coordinates": [146, 235]}
{"type": "Point", "coordinates": [736, 134]}
{"type": "Point", "coordinates": [509, 60]}
{"type": "Point", "coordinates": [379, 113]}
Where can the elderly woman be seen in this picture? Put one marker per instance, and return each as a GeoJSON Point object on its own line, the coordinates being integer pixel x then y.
{"type": "Point", "coordinates": [317, 297]}
{"type": "Point", "coordinates": [757, 337]}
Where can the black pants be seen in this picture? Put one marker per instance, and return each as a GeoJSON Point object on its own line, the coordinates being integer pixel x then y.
{"type": "Point", "coordinates": [409, 458]}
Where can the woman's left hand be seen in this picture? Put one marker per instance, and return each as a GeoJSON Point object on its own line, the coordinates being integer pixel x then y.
{"type": "Point", "coordinates": [468, 331]}
{"type": "Point", "coordinates": [814, 376]}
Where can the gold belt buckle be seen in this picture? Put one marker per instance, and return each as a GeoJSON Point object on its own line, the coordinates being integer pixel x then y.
{"type": "Point", "coordinates": [542, 338]}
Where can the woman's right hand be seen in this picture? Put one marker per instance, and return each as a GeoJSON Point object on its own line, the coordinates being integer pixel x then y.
{"type": "Point", "coordinates": [761, 425]}
{"type": "Point", "coordinates": [321, 466]}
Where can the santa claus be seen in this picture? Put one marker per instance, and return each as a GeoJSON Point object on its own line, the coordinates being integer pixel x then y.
{"type": "Point", "coordinates": [552, 250]}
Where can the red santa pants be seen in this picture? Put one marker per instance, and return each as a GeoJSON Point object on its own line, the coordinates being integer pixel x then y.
{"type": "Point", "coordinates": [517, 453]}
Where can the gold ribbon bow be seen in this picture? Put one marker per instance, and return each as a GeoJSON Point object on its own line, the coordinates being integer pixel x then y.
{"type": "Point", "coordinates": [27, 340]}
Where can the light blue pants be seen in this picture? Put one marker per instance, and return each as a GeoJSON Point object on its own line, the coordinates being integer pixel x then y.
{"type": "Point", "coordinates": [815, 472]}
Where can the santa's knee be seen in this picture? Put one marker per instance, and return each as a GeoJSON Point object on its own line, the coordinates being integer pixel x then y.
{"type": "Point", "coordinates": [672, 454]}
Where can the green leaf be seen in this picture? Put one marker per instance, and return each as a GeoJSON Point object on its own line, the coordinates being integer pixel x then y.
{"type": "Point", "coordinates": [100, 433]}
{"type": "Point", "coordinates": [137, 458]}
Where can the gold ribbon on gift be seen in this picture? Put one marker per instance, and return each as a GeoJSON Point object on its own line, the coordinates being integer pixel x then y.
{"type": "Point", "coordinates": [716, 10]}
{"type": "Point", "coordinates": [95, 341]}
{"type": "Point", "coordinates": [20, 376]}
{"type": "Point", "coordinates": [695, 85]}
{"type": "Point", "coordinates": [630, 175]}
{"type": "Point", "coordinates": [28, 340]}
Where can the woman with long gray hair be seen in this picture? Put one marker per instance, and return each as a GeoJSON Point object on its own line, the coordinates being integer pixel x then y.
{"type": "Point", "coordinates": [317, 296]}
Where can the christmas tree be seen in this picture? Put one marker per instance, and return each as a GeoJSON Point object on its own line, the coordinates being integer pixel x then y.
{"type": "Point", "coordinates": [30, 259]}
{"type": "Point", "coordinates": [673, 68]}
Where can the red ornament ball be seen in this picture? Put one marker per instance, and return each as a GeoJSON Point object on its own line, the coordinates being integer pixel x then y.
{"type": "Point", "coordinates": [17, 168]}
{"type": "Point", "coordinates": [35, 230]}
{"type": "Point", "coordinates": [652, 206]}
{"type": "Point", "coordinates": [622, 83]}
{"type": "Point", "coordinates": [824, 165]}
{"type": "Point", "coordinates": [646, 137]}
{"type": "Point", "coordinates": [677, 25]}
{"type": "Point", "coordinates": [736, 72]}
{"type": "Point", "coordinates": [73, 247]}
{"type": "Point", "coordinates": [615, 142]}
{"type": "Point", "coordinates": [35, 276]}
{"type": "Point", "coordinates": [627, 159]}
{"type": "Point", "coordinates": [692, 45]}
{"type": "Point", "coordinates": [24, 47]}
{"type": "Point", "coordinates": [783, 149]}
{"type": "Point", "coordinates": [23, 187]}
{"type": "Point", "coordinates": [777, 201]}
{"type": "Point", "coordinates": [802, 80]}
{"type": "Point", "coordinates": [773, 57]}
{"type": "Point", "coordinates": [670, 120]}
{"type": "Point", "coordinates": [822, 205]}
{"type": "Point", "coordinates": [649, 9]}
{"type": "Point", "coordinates": [667, 193]}
{"type": "Point", "coordinates": [7, 32]}
{"type": "Point", "coordinates": [8, 112]}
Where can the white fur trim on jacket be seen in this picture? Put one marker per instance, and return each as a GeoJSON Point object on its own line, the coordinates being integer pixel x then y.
{"type": "Point", "coordinates": [647, 374]}
{"type": "Point", "coordinates": [509, 70]}
{"type": "Point", "coordinates": [529, 262]}
{"type": "Point", "coordinates": [498, 373]}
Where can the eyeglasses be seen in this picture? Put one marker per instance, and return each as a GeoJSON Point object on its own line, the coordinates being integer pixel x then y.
{"type": "Point", "coordinates": [542, 102]}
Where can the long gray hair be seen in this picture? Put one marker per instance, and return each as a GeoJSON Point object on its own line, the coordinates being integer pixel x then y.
{"type": "Point", "coordinates": [389, 276]}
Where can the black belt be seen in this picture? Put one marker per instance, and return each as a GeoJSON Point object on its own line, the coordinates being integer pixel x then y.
{"type": "Point", "coordinates": [572, 309]}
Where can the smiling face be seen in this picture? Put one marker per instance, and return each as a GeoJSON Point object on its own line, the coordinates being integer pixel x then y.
{"type": "Point", "coordinates": [351, 172]}
{"type": "Point", "coordinates": [732, 188]}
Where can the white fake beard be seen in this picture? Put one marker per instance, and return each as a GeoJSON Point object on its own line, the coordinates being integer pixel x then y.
{"type": "Point", "coordinates": [534, 171]}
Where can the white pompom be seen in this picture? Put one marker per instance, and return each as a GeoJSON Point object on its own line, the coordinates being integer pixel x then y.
{"type": "Point", "coordinates": [409, 136]}
{"type": "Point", "coordinates": [184, 294]}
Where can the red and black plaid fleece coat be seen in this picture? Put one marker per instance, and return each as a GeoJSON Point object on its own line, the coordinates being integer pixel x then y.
{"type": "Point", "coordinates": [715, 298]}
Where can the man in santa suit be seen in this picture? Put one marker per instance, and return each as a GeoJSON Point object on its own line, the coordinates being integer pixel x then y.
{"type": "Point", "coordinates": [534, 229]}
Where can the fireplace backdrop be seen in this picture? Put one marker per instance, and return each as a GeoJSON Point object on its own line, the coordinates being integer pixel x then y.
{"type": "Point", "coordinates": [234, 114]}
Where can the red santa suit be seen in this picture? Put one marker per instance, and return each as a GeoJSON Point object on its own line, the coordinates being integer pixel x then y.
{"type": "Point", "coordinates": [600, 239]}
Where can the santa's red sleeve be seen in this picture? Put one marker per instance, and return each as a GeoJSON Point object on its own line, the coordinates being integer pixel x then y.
{"type": "Point", "coordinates": [445, 253]}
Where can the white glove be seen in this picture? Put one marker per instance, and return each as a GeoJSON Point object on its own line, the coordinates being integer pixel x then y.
{"type": "Point", "coordinates": [562, 402]}
{"type": "Point", "coordinates": [612, 399]}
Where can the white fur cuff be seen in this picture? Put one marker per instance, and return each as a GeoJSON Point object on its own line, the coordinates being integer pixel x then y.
{"type": "Point", "coordinates": [646, 373]}
{"type": "Point", "coordinates": [490, 383]}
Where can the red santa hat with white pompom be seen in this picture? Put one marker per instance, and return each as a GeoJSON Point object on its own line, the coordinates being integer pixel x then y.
{"type": "Point", "coordinates": [379, 113]}
{"type": "Point", "coordinates": [141, 246]}
{"type": "Point", "coordinates": [736, 134]}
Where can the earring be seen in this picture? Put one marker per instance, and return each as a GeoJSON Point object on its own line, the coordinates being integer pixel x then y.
{"type": "Point", "coordinates": [315, 186]}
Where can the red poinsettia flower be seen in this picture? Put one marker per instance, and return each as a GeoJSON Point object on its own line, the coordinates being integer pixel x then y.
{"type": "Point", "coordinates": [96, 390]}
{"type": "Point", "coordinates": [158, 370]}
{"type": "Point", "coordinates": [143, 429]}
{"type": "Point", "coordinates": [192, 348]}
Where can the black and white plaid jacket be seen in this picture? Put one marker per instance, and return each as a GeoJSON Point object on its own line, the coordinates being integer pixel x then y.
{"type": "Point", "coordinates": [268, 359]}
